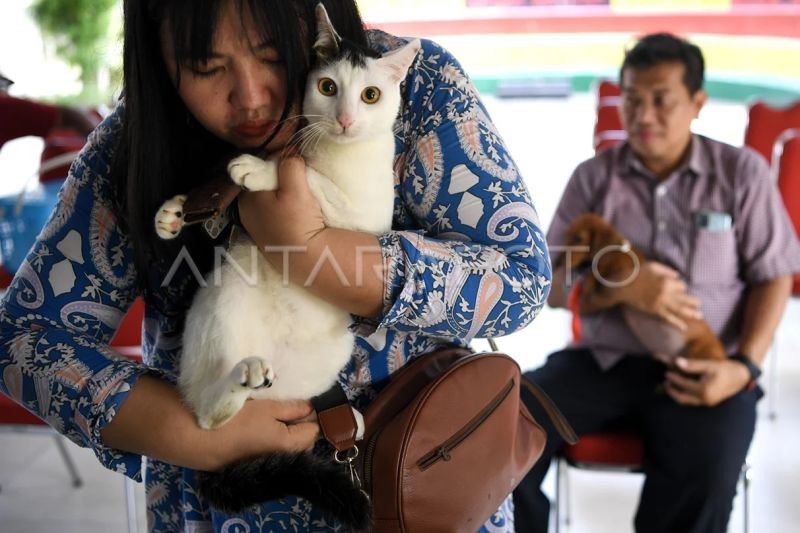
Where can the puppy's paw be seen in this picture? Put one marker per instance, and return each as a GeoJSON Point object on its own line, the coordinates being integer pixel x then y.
{"type": "Point", "coordinates": [253, 373]}
{"type": "Point", "coordinates": [253, 174]}
{"type": "Point", "coordinates": [169, 219]}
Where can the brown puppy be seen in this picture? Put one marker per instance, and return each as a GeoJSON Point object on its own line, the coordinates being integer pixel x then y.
{"type": "Point", "coordinates": [608, 255]}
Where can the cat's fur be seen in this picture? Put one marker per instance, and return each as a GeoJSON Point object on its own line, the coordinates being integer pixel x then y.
{"type": "Point", "coordinates": [271, 339]}
{"type": "Point", "coordinates": [594, 234]}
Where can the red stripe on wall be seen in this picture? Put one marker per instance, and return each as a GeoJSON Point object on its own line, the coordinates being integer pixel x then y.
{"type": "Point", "coordinates": [773, 21]}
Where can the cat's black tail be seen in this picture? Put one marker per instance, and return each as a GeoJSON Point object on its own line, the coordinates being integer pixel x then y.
{"type": "Point", "coordinates": [311, 475]}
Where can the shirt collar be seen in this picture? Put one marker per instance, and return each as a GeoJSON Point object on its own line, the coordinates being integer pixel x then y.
{"type": "Point", "coordinates": [698, 162]}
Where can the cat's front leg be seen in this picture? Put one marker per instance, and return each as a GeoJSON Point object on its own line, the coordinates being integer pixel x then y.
{"type": "Point", "coordinates": [169, 219]}
{"type": "Point", "coordinates": [227, 396]}
{"type": "Point", "coordinates": [254, 174]}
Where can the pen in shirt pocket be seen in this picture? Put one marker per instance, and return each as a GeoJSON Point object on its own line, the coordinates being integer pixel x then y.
{"type": "Point", "coordinates": [711, 220]}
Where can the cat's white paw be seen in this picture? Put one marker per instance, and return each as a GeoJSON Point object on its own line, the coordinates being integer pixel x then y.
{"type": "Point", "coordinates": [169, 219]}
{"type": "Point", "coordinates": [254, 174]}
{"type": "Point", "coordinates": [360, 425]}
{"type": "Point", "coordinates": [253, 373]}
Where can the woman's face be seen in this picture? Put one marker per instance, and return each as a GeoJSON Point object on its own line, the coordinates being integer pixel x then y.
{"type": "Point", "coordinates": [239, 94]}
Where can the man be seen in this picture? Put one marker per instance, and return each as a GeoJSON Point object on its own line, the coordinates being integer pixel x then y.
{"type": "Point", "coordinates": [20, 117]}
{"type": "Point", "coordinates": [721, 247]}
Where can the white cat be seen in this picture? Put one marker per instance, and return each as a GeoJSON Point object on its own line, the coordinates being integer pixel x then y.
{"type": "Point", "coordinates": [272, 339]}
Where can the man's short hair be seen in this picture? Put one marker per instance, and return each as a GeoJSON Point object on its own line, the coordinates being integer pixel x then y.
{"type": "Point", "coordinates": [658, 48]}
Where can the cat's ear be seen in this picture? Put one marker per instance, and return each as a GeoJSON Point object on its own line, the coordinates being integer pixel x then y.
{"type": "Point", "coordinates": [397, 61]}
{"type": "Point", "coordinates": [327, 44]}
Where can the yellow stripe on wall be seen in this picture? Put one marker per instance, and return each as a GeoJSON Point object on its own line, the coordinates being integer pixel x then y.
{"type": "Point", "coordinates": [493, 53]}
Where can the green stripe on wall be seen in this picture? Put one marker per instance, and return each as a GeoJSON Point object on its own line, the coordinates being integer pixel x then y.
{"type": "Point", "coordinates": [737, 91]}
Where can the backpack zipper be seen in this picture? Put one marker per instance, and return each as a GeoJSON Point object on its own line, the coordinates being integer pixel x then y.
{"type": "Point", "coordinates": [368, 456]}
{"type": "Point", "coordinates": [442, 452]}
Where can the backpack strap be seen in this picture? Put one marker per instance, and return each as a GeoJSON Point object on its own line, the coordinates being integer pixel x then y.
{"type": "Point", "coordinates": [335, 417]}
{"type": "Point", "coordinates": [559, 421]}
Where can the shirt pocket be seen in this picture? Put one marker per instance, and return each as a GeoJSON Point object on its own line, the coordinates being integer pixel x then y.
{"type": "Point", "coordinates": [714, 257]}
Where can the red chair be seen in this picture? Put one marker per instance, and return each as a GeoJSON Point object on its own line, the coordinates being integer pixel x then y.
{"type": "Point", "coordinates": [128, 338]}
{"type": "Point", "coordinates": [770, 131]}
{"type": "Point", "coordinates": [789, 182]}
{"type": "Point", "coordinates": [618, 448]}
{"type": "Point", "coordinates": [5, 277]}
{"type": "Point", "coordinates": [608, 129]}
{"type": "Point", "coordinates": [765, 124]}
{"type": "Point", "coordinates": [61, 146]}
{"type": "Point", "coordinates": [16, 419]}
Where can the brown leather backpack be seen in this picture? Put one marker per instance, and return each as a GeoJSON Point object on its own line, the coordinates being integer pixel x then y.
{"type": "Point", "coordinates": [446, 441]}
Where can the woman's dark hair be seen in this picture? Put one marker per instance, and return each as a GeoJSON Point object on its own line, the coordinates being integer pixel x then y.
{"type": "Point", "coordinates": [162, 151]}
{"type": "Point", "coordinates": [657, 48]}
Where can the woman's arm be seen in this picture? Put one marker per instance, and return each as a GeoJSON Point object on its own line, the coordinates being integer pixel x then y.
{"type": "Point", "coordinates": [65, 303]}
{"type": "Point", "coordinates": [57, 318]}
{"type": "Point", "coordinates": [471, 259]}
{"type": "Point", "coordinates": [154, 422]}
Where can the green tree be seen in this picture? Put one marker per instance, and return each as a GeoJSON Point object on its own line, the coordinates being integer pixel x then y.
{"type": "Point", "coordinates": [80, 31]}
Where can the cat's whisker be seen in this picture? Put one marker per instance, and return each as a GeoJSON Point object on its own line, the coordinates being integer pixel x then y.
{"type": "Point", "coordinates": [296, 141]}
{"type": "Point", "coordinates": [299, 139]}
{"type": "Point", "coordinates": [313, 136]}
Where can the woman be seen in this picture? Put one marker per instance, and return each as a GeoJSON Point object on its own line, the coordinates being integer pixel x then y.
{"type": "Point", "coordinates": [202, 80]}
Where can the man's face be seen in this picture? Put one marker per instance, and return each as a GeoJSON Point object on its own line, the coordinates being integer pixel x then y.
{"type": "Point", "coordinates": [657, 112]}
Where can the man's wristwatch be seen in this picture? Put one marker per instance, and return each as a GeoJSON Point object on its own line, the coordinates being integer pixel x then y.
{"type": "Point", "coordinates": [754, 371]}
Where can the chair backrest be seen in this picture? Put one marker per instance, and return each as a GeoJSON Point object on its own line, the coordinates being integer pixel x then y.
{"type": "Point", "coordinates": [765, 123]}
{"type": "Point", "coordinates": [789, 184]}
{"type": "Point", "coordinates": [773, 132]}
{"type": "Point", "coordinates": [608, 125]}
{"type": "Point", "coordinates": [609, 92]}
{"type": "Point", "coordinates": [6, 277]}
{"type": "Point", "coordinates": [128, 338]}
{"type": "Point", "coordinates": [573, 304]}
{"type": "Point", "coordinates": [13, 414]}
{"type": "Point", "coordinates": [127, 341]}
{"type": "Point", "coordinates": [60, 142]}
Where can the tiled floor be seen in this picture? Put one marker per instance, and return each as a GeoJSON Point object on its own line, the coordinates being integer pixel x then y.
{"type": "Point", "coordinates": [547, 137]}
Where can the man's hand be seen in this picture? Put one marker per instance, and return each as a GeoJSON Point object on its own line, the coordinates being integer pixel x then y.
{"type": "Point", "coordinates": [658, 290]}
{"type": "Point", "coordinates": [709, 383]}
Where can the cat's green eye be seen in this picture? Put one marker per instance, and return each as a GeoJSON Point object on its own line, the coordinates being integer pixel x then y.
{"type": "Point", "coordinates": [327, 86]}
{"type": "Point", "coordinates": [370, 95]}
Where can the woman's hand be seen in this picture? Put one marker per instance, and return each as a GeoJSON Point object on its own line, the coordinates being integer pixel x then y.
{"type": "Point", "coordinates": [287, 217]}
{"type": "Point", "coordinates": [267, 426]}
{"type": "Point", "coordinates": [342, 267]}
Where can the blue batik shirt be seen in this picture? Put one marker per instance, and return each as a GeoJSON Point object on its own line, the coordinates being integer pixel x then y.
{"type": "Point", "coordinates": [466, 258]}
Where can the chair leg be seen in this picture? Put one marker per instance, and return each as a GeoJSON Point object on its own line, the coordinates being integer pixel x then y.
{"type": "Point", "coordinates": [130, 505]}
{"type": "Point", "coordinates": [746, 495]}
{"type": "Point", "coordinates": [77, 481]}
{"type": "Point", "coordinates": [772, 391]}
{"type": "Point", "coordinates": [559, 466]}
{"type": "Point", "coordinates": [567, 497]}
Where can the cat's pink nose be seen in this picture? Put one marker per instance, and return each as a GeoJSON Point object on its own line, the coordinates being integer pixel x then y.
{"type": "Point", "coordinates": [344, 121]}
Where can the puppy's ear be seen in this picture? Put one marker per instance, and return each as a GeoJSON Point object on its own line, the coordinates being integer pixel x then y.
{"type": "Point", "coordinates": [559, 262]}
{"type": "Point", "coordinates": [582, 237]}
